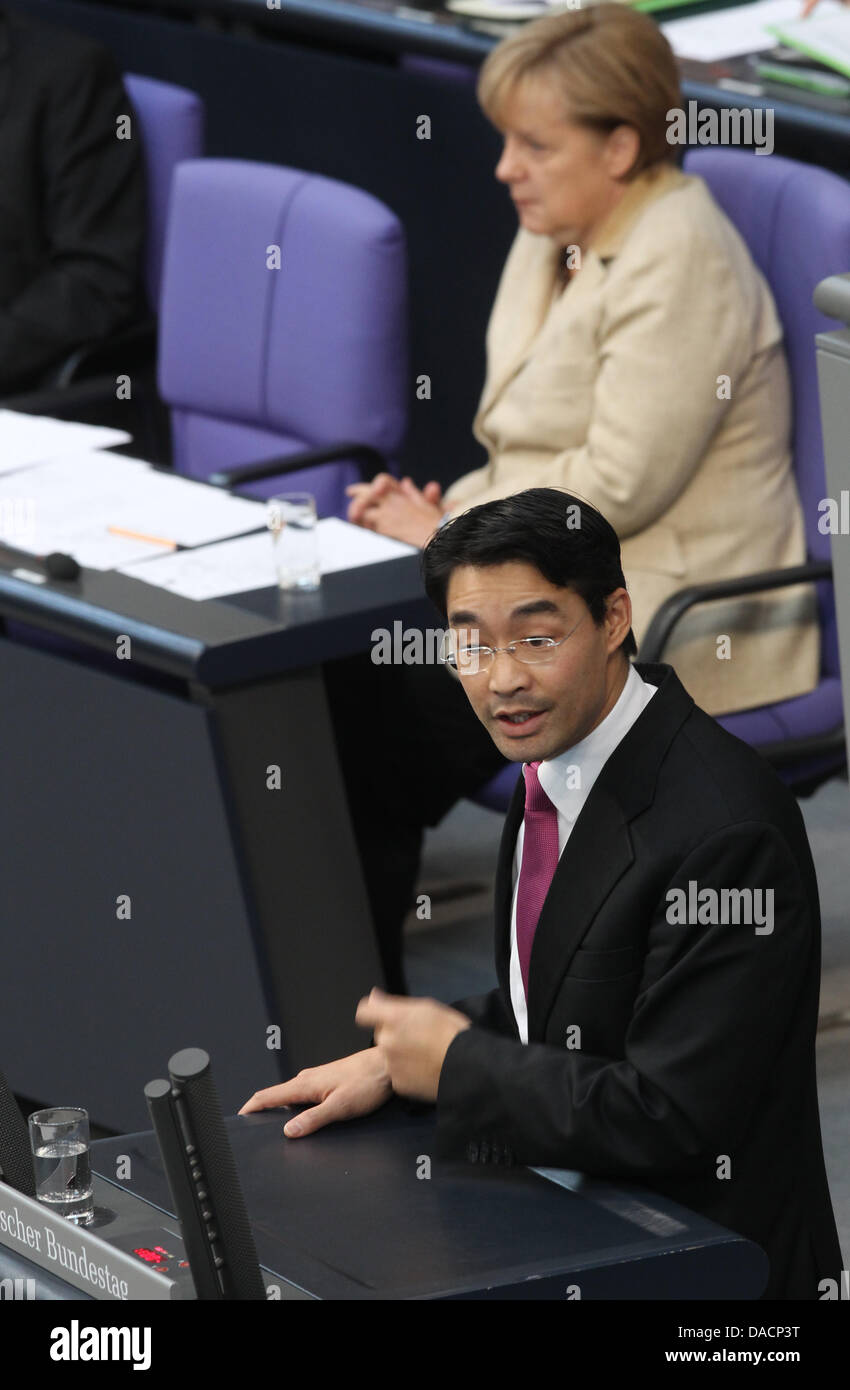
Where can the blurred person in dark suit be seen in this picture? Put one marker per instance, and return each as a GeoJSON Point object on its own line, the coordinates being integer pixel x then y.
{"type": "Point", "coordinates": [72, 201]}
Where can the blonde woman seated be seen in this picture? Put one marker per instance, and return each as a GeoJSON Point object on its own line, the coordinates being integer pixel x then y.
{"type": "Point", "coordinates": [634, 356]}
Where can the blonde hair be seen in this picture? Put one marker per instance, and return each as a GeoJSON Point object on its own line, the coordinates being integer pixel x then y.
{"type": "Point", "coordinates": [611, 63]}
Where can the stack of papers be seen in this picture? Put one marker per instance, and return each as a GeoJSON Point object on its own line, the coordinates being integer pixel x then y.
{"type": "Point", "coordinates": [743, 29]}
{"type": "Point", "coordinates": [28, 439]}
{"type": "Point", "coordinates": [236, 566]}
{"type": "Point", "coordinates": [824, 36]}
{"type": "Point", "coordinates": [80, 505]}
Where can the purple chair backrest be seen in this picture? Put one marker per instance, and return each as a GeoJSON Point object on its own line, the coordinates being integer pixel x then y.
{"type": "Point", "coordinates": [283, 320]}
{"type": "Point", "coordinates": [172, 128]}
{"type": "Point", "coordinates": [795, 219]}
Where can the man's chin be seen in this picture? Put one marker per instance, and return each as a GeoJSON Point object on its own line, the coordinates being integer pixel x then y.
{"type": "Point", "coordinates": [532, 748]}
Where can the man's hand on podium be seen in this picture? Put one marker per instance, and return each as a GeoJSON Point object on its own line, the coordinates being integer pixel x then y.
{"type": "Point", "coordinates": [340, 1090]}
{"type": "Point", "coordinates": [411, 1036]}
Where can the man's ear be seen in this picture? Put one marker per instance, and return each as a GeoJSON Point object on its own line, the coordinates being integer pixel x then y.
{"type": "Point", "coordinates": [618, 618]}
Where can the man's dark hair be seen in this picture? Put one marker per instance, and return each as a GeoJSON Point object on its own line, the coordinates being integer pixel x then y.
{"type": "Point", "coordinates": [567, 540]}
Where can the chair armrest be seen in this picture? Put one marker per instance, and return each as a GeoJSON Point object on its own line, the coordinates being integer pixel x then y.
{"type": "Point", "coordinates": [124, 350]}
{"type": "Point", "coordinates": [369, 461]}
{"type": "Point", "coordinates": [677, 605]}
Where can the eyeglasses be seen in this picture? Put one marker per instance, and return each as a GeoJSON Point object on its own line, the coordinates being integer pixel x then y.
{"type": "Point", "coordinates": [531, 651]}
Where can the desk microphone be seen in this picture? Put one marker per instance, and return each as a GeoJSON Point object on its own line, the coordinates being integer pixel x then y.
{"type": "Point", "coordinates": [55, 565]}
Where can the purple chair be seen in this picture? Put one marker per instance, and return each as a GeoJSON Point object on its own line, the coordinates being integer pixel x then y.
{"type": "Point", "coordinates": [274, 367]}
{"type": "Point", "coordinates": [171, 122]}
{"type": "Point", "coordinates": [172, 125]}
{"type": "Point", "coordinates": [795, 219]}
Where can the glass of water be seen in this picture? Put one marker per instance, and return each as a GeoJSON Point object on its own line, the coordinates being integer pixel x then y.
{"type": "Point", "coordinates": [292, 521]}
{"type": "Point", "coordinates": [60, 1146]}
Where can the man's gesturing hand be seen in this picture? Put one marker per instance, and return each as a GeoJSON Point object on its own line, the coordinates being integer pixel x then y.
{"type": "Point", "coordinates": [413, 1035]}
{"type": "Point", "coordinates": [341, 1090]}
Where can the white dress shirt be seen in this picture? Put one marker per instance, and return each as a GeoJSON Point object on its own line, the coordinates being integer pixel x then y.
{"type": "Point", "coordinates": [567, 781]}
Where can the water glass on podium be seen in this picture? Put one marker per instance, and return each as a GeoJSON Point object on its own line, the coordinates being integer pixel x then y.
{"type": "Point", "coordinates": [61, 1157]}
{"type": "Point", "coordinates": [292, 521]}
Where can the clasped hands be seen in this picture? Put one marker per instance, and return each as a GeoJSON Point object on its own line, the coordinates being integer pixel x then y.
{"type": "Point", "coordinates": [411, 1038]}
{"type": "Point", "coordinates": [397, 507]}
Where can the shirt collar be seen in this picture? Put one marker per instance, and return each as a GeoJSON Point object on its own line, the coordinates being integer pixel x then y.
{"type": "Point", "coordinates": [568, 778]}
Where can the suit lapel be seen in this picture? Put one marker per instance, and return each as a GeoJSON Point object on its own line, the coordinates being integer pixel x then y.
{"type": "Point", "coordinates": [597, 854]}
{"type": "Point", "coordinates": [504, 888]}
{"type": "Point", "coordinates": [526, 297]}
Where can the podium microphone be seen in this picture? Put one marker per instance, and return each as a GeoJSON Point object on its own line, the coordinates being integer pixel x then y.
{"type": "Point", "coordinates": [201, 1172]}
{"type": "Point", "coordinates": [15, 1152]}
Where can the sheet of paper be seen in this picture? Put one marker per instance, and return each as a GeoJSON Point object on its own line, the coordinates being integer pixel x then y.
{"type": "Point", "coordinates": [729, 33]}
{"type": "Point", "coordinates": [68, 507]}
{"type": "Point", "coordinates": [181, 510]}
{"type": "Point", "coordinates": [822, 36]}
{"type": "Point", "coordinates": [71, 504]}
{"type": "Point", "coordinates": [345, 547]}
{"type": "Point", "coordinates": [28, 439]}
{"type": "Point", "coordinates": [237, 566]}
{"type": "Point", "coordinates": [508, 9]}
{"type": "Point", "coordinates": [503, 9]}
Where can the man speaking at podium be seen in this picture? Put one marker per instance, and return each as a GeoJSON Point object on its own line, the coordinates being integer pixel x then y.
{"type": "Point", "coordinates": [657, 917]}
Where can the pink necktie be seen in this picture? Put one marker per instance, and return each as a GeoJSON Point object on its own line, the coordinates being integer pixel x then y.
{"type": "Point", "coordinates": [539, 862]}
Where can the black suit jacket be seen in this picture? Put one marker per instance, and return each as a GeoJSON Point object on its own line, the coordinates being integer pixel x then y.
{"type": "Point", "coordinates": [72, 200]}
{"type": "Point", "coordinates": [697, 1042]}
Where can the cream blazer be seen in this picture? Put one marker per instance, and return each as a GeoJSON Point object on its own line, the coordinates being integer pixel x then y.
{"type": "Point", "coordinates": [655, 386]}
